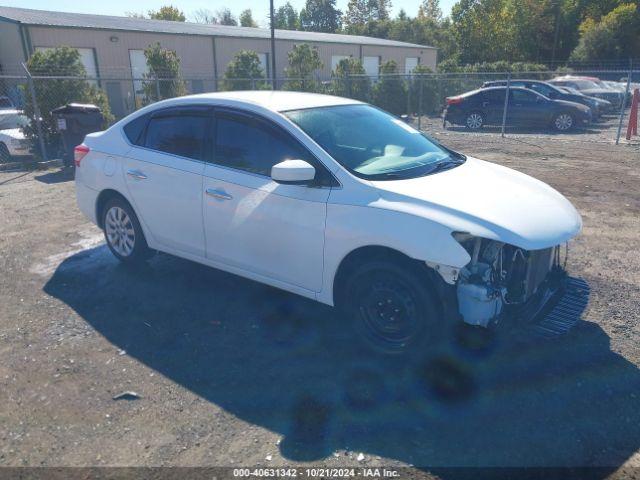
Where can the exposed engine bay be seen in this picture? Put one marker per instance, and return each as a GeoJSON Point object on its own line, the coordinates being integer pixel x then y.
{"type": "Point", "coordinates": [502, 279]}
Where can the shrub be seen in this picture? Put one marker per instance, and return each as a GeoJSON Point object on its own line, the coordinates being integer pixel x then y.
{"type": "Point", "coordinates": [164, 79]}
{"type": "Point", "coordinates": [244, 72]}
{"type": "Point", "coordinates": [349, 80]}
{"type": "Point", "coordinates": [304, 60]}
{"type": "Point", "coordinates": [390, 92]}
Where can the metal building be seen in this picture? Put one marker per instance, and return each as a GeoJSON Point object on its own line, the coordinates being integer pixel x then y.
{"type": "Point", "coordinates": [112, 48]}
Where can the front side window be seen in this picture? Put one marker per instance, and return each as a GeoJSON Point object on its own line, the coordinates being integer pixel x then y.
{"type": "Point", "coordinates": [178, 133]}
{"type": "Point", "coordinates": [248, 144]}
{"type": "Point", "coordinates": [373, 144]}
{"type": "Point", "coordinates": [522, 96]}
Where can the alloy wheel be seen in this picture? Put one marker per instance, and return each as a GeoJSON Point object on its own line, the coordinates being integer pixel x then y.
{"type": "Point", "coordinates": [564, 121]}
{"type": "Point", "coordinates": [474, 121]}
{"type": "Point", "coordinates": [119, 231]}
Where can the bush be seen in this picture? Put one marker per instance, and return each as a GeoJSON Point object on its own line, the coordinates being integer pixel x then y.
{"type": "Point", "coordinates": [349, 80]}
{"type": "Point", "coordinates": [304, 60]}
{"type": "Point", "coordinates": [164, 77]}
{"type": "Point", "coordinates": [56, 92]}
{"type": "Point", "coordinates": [244, 72]}
{"type": "Point", "coordinates": [390, 92]}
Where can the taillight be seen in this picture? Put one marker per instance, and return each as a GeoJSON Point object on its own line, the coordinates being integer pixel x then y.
{"type": "Point", "coordinates": [79, 153]}
{"type": "Point", "coordinates": [454, 100]}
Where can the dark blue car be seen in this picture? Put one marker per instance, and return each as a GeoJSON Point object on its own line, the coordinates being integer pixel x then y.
{"type": "Point", "coordinates": [526, 109]}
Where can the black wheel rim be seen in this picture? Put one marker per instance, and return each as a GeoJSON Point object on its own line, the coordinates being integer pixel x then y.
{"type": "Point", "coordinates": [389, 313]}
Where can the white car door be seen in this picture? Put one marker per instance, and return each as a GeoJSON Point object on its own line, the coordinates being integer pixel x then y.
{"type": "Point", "coordinates": [274, 231]}
{"type": "Point", "coordinates": [164, 177]}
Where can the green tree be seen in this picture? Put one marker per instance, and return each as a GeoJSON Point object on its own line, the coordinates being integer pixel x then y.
{"type": "Point", "coordinates": [615, 37]}
{"type": "Point", "coordinates": [246, 19]}
{"type": "Point", "coordinates": [225, 17]}
{"type": "Point", "coordinates": [321, 16]}
{"type": "Point", "coordinates": [164, 79]}
{"type": "Point", "coordinates": [390, 92]}
{"type": "Point", "coordinates": [430, 9]}
{"type": "Point", "coordinates": [304, 60]}
{"type": "Point", "coordinates": [55, 92]}
{"type": "Point", "coordinates": [287, 17]}
{"type": "Point", "coordinates": [361, 15]}
{"type": "Point", "coordinates": [168, 12]}
{"type": "Point", "coordinates": [244, 72]}
{"type": "Point", "coordinates": [349, 80]}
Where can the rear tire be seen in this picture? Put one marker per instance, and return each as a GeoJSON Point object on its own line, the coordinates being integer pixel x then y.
{"type": "Point", "coordinates": [563, 122]}
{"type": "Point", "coordinates": [123, 233]}
{"type": "Point", "coordinates": [474, 120]}
{"type": "Point", "coordinates": [5, 156]}
{"type": "Point", "coordinates": [391, 308]}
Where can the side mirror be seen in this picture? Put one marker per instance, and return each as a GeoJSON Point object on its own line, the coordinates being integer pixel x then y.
{"type": "Point", "coordinates": [293, 172]}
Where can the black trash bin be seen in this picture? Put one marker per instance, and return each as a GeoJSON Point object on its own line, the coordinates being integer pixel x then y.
{"type": "Point", "coordinates": [74, 122]}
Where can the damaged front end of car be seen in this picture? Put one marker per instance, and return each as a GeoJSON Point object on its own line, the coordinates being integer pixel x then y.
{"type": "Point", "coordinates": [504, 281]}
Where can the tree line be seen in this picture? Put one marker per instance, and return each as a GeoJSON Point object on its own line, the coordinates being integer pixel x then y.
{"type": "Point", "coordinates": [550, 32]}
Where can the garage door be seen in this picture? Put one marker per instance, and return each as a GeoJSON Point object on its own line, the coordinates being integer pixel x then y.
{"type": "Point", "coordinates": [371, 66]}
{"type": "Point", "coordinates": [410, 64]}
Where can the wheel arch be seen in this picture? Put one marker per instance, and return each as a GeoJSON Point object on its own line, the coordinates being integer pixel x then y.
{"type": "Point", "coordinates": [104, 196]}
{"type": "Point", "coordinates": [359, 256]}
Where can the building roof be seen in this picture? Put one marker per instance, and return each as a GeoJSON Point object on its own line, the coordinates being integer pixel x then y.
{"type": "Point", "coordinates": [108, 22]}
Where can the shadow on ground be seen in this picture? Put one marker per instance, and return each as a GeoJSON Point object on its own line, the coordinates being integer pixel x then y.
{"type": "Point", "coordinates": [57, 176]}
{"type": "Point", "coordinates": [282, 363]}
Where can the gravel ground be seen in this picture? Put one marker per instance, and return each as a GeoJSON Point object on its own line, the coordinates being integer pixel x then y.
{"type": "Point", "coordinates": [233, 373]}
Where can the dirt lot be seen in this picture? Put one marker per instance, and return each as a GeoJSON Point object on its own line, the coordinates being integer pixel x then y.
{"type": "Point", "coordinates": [233, 373]}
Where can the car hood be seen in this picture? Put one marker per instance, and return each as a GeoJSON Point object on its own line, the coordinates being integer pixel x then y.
{"type": "Point", "coordinates": [489, 201]}
{"type": "Point", "coordinates": [574, 105]}
{"type": "Point", "coordinates": [14, 133]}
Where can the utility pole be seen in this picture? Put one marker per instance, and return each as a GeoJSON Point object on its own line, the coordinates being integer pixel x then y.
{"type": "Point", "coordinates": [273, 46]}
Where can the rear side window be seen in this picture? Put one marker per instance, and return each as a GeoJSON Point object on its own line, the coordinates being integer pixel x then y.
{"type": "Point", "coordinates": [135, 128]}
{"type": "Point", "coordinates": [179, 133]}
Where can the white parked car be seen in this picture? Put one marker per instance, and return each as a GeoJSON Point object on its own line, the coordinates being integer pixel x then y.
{"type": "Point", "coordinates": [12, 141]}
{"type": "Point", "coordinates": [332, 199]}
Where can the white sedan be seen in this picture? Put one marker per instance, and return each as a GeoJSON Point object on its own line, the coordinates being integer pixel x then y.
{"type": "Point", "coordinates": [332, 199]}
{"type": "Point", "coordinates": [12, 141]}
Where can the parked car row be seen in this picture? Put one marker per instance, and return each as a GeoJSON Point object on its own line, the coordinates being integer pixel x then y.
{"type": "Point", "coordinates": [562, 103]}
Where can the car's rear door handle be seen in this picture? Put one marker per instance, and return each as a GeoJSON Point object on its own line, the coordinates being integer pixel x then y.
{"type": "Point", "coordinates": [137, 174]}
{"type": "Point", "coordinates": [221, 194]}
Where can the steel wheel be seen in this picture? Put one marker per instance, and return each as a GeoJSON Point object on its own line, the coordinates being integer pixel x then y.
{"type": "Point", "coordinates": [119, 231]}
{"type": "Point", "coordinates": [474, 121]}
{"type": "Point", "coordinates": [389, 312]}
{"type": "Point", "coordinates": [563, 122]}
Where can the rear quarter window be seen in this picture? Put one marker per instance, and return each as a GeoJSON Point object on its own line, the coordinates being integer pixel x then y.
{"type": "Point", "coordinates": [135, 128]}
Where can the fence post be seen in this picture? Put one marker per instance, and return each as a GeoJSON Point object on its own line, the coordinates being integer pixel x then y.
{"type": "Point", "coordinates": [624, 101]}
{"type": "Point", "coordinates": [409, 80]}
{"type": "Point", "coordinates": [36, 112]}
{"type": "Point", "coordinates": [506, 103]}
{"type": "Point", "coordinates": [420, 102]}
{"type": "Point", "coordinates": [158, 88]}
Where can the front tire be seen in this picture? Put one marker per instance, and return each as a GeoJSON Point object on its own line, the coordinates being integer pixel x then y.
{"type": "Point", "coordinates": [391, 307]}
{"type": "Point", "coordinates": [123, 233]}
{"type": "Point", "coordinates": [563, 122]}
{"type": "Point", "coordinates": [474, 121]}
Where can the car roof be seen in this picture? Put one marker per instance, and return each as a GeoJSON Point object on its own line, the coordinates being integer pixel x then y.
{"type": "Point", "coordinates": [277, 101]}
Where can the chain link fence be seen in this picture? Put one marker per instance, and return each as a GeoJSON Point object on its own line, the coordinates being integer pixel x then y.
{"type": "Point", "coordinates": [421, 98]}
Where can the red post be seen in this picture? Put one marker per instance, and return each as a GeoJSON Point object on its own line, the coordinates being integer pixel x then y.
{"type": "Point", "coordinates": [632, 128]}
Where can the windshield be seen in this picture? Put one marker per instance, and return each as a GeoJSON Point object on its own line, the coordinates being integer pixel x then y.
{"type": "Point", "coordinates": [9, 122]}
{"type": "Point", "coordinates": [373, 144]}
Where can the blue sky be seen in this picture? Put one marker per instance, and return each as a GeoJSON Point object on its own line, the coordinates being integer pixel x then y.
{"type": "Point", "coordinates": [260, 8]}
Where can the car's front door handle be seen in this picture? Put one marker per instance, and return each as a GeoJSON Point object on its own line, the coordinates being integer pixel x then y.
{"type": "Point", "coordinates": [137, 174]}
{"type": "Point", "coordinates": [221, 194]}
